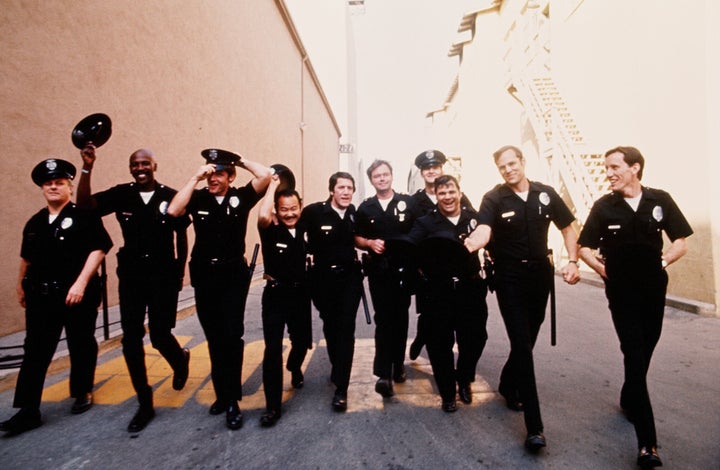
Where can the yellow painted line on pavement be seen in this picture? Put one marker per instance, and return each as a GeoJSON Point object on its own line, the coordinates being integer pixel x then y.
{"type": "Point", "coordinates": [113, 384]}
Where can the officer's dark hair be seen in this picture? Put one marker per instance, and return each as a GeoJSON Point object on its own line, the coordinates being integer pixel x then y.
{"type": "Point", "coordinates": [336, 176]}
{"type": "Point", "coordinates": [504, 148]}
{"type": "Point", "coordinates": [445, 180]}
{"type": "Point", "coordinates": [631, 156]}
{"type": "Point", "coordinates": [286, 193]}
{"type": "Point", "coordinates": [375, 165]}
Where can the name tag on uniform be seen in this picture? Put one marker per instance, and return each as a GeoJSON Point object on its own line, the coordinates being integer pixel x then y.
{"type": "Point", "coordinates": [281, 245]}
{"type": "Point", "coordinates": [127, 213]}
{"type": "Point", "coordinates": [508, 214]}
{"type": "Point", "coordinates": [203, 213]}
{"type": "Point", "coordinates": [613, 227]}
{"type": "Point", "coordinates": [326, 227]}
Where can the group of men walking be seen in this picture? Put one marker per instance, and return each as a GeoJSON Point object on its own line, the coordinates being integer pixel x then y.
{"type": "Point", "coordinates": [426, 245]}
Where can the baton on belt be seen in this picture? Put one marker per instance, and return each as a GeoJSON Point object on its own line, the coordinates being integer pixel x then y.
{"type": "Point", "coordinates": [251, 269]}
{"type": "Point", "coordinates": [363, 297]}
{"type": "Point", "coordinates": [553, 322]}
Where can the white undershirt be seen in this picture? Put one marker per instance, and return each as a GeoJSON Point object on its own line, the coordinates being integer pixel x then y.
{"type": "Point", "coordinates": [52, 217]}
{"type": "Point", "coordinates": [454, 220]}
{"type": "Point", "coordinates": [341, 212]}
{"type": "Point", "coordinates": [219, 199]}
{"type": "Point", "coordinates": [384, 203]}
{"type": "Point", "coordinates": [432, 197]}
{"type": "Point", "coordinates": [146, 196]}
{"type": "Point", "coordinates": [293, 232]}
{"type": "Point", "coordinates": [634, 202]}
{"type": "Point", "coordinates": [523, 195]}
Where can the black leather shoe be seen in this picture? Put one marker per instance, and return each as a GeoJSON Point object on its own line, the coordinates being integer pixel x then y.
{"type": "Point", "coordinates": [648, 458]}
{"type": "Point", "coordinates": [298, 379]}
{"type": "Point", "coordinates": [339, 401]}
{"type": "Point", "coordinates": [535, 442]}
{"type": "Point", "coordinates": [24, 420]}
{"type": "Point", "coordinates": [82, 404]}
{"type": "Point", "coordinates": [465, 393]}
{"type": "Point", "coordinates": [512, 400]}
{"type": "Point", "coordinates": [269, 418]}
{"type": "Point", "coordinates": [233, 416]}
{"type": "Point", "coordinates": [449, 406]}
{"type": "Point", "coordinates": [399, 375]}
{"type": "Point", "coordinates": [216, 408]}
{"type": "Point", "coordinates": [415, 349]}
{"type": "Point", "coordinates": [384, 387]}
{"type": "Point", "coordinates": [181, 375]}
{"type": "Point", "coordinates": [142, 417]}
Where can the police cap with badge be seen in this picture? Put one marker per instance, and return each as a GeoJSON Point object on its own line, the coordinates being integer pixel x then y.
{"type": "Point", "coordinates": [430, 158]}
{"type": "Point", "coordinates": [51, 169]}
{"type": "Point", "coordinates": [222, 159]}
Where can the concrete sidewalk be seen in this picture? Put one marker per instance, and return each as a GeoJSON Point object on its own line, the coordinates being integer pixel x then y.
{"type": "Point", "coordinates": [578, 380]}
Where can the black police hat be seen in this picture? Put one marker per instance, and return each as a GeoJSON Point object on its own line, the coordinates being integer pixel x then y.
{"type": "Point", "coordinates": [95, 128]}
{"type": "Point", "coordinates": [52, 168]}
{"type": "Point", "coordinates": [287, 178]}
{"type": "Point", "coordinates": [400, 252]}
{"type": "Point", "coordinates": [430, 158]}
{"type": "Point", "coordinates": [222, 159]}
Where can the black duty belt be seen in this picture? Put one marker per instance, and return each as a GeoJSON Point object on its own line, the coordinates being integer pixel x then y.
{"type": "Point", "coordinates": [286, 284]}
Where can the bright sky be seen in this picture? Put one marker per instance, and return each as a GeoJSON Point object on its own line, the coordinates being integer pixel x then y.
{"type": "Point", "coordinates": [403, 73]}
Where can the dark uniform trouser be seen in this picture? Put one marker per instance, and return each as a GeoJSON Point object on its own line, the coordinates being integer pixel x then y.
{"type": "Point", "coordinates": [336, 296]}
{"type": "Point", "coordinates": [455, 314]}
{"type": "Point", "coordinates": [637, 307]}
{"type": "Point", "coordinates": [140, 291]}
{"type": "Point", "coordinates": [522, 291]}
{"type": "Point", "coordinates": [220, 295]}
{"type": "Point", "coordinates": [283, 305]}
{"type": "Point", "coordinates": [45, 316]}
{"type": "Point", "coordinates": [391, 303]}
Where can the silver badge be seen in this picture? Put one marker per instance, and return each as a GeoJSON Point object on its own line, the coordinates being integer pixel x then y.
{"type": "Point", "coordinates": [429, 154]}
{"type": "Point", "coordinates": [544, 198]}
{"type": "Point", "coordinates": [401, 206]}
{"type": "Point", "coordinates": [657, 213]}
{"type": "Point", "coordinates": [51, 165]}
{"type": "Point", "coordinates": [163, 207]}
{"type": "Point", "coordinates": [234, 202]}
{"type": "Point", "coordinates": [212, 155]}
{"type": "Point", "coordinates": [66, 223]}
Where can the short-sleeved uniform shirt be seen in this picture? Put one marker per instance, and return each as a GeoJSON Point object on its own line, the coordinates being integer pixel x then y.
{"type": "Point", "coordinates": [631, 240]}
{"type": "Point", "coordinates": [374, 222]}
{"type": "Point", "coordinates": [330, 239]}
{"type": "Point", "coordinates": [57, 251]}
{"type": "Point", "coordinates": [520, 228]}
{"type": "Point", "coordinates": [148, 230]}
{"type": "Point", "coordinates": [283, 253]}
{"type": "Point", "coordinates": [220, 228]}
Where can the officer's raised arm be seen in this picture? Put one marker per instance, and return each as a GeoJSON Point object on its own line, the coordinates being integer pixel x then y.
{"type": "Point", "coordinates": [182, 198]}
{"type": "Point", "coordinates": [265, 211]}
{"type": "Point", "coordinates": [84, 193]}
{"type": "Point", "coordinates": [260, 172]}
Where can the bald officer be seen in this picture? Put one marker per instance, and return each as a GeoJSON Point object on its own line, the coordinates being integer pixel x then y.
{"type": "Point", "coordinates": [218, 268]}
{"type": "Point", "coordinates": [151, 266]}
{"type": "Point", "coordinates": [59, 287]}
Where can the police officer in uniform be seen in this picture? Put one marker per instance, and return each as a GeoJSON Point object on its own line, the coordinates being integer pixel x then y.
{"type": "Point", "coordinates": [382, 224]}
{"type": "Point", "coordinates": [453, 293]}
{"type": "Point", "coordinates": [150, 273]}
{"type": "Point", "coordinates": [336, 276]}
{"type": "Point", "coordinates": [286, 297]}
{"type": "Point", "coordinates": [518, 214]}
{"type": "Point", "coordinates": [218, 268]}
{"type": "Point", "coordinates": [625, 227]}
{"type": "Point", "coordinates": [59, 287]}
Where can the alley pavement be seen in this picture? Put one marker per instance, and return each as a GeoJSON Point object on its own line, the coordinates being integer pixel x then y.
{"type": "Point", "coordinates": [579, 383]}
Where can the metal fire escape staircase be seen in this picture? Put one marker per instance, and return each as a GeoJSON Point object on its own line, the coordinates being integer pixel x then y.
{"type": "Point", "coordinates": [577, 172]}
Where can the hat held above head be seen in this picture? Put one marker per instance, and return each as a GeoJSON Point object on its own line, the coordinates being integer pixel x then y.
{"type": "Point", "coordinates": [51, 169]}
{"type": "Point", "coordinates": [221, 158]}
{"type": "Point", "coordinates": [95, 128]}
{"type": "Point", "coordinates": [430, 158]}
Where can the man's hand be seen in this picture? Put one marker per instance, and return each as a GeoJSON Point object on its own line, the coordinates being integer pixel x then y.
{"type": "Point", "coordinates": [571, 273]}
{"type": "Point", "coordinates": [75, 294]}
{"type": "Point", "coordinates": [377, 245]}
{"type": "Point", "coordinates": [88, 155]}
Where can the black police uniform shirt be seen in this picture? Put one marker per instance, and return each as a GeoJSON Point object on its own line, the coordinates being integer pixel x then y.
{"type": "Point", "coordinates": [631, 241]}
{"type": "Point", "coordinates": [330, 239]}
{"type": "Point", "coordinates": [520, 228]}
{"type": "Point", "coordinates": [57, 251]}
{"type": "Point", "coordinates": [425, 205]}
{"type": "Point", "coordinates": [148, 230]}
{"type": "Point", "coordinates": [283, 253]}
{"type": "Point", "coordinates": [374, 222]}
{"type": "Point", "coordinates": [436, 225]}
{"type": "Point", "coordinates": [220, 228]}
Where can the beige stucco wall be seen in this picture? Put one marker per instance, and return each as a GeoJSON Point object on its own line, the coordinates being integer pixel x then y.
{"type": "Point", "coordinates": [174, 76]}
